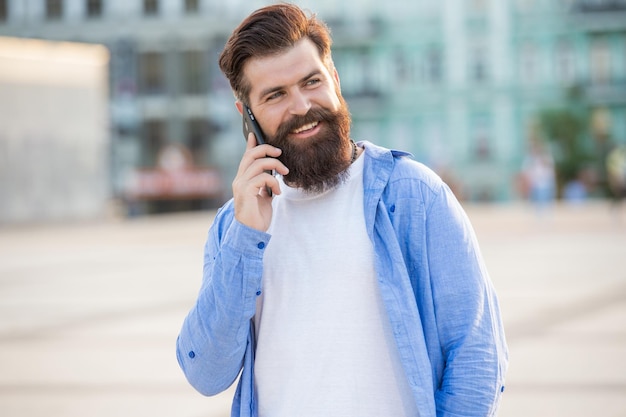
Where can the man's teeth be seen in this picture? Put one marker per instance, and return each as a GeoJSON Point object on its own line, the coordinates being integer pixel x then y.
{"type": "Point", "coordinates": [306, 127]}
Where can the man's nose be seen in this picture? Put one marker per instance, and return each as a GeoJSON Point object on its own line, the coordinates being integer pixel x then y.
{"type": "Point", "coordinates": [300, 104]}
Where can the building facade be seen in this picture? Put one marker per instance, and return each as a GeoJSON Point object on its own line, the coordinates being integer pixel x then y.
{"type": "Point", "coordinates": [459, 83]}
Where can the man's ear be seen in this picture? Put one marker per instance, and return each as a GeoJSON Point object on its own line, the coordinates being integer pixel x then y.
{"type": "Point", "coordinates": [239, 106]}
{"type": "Point", "coordinates": [336, 77]}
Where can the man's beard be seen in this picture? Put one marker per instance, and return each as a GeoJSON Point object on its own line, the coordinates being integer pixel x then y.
{"type": "Point", "coordinates": [318, 163]}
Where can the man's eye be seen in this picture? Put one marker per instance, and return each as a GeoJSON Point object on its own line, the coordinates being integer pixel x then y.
{"type": "Point", "coordinates": [274, 96]}
{"type": "Point", "coordinates": [313, 81]}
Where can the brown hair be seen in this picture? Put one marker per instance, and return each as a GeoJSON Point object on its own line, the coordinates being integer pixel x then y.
{"type": "Point", "coordinates": [268, 31]}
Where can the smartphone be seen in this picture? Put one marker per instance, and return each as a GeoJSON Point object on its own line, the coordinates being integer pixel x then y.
{"type": "Point", "coordinates": [251, 125]}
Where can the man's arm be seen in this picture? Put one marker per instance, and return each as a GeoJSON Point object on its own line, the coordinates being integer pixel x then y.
{"type": "Point", "coordinates": [468, 317]}
{"type": "Point", "coordinates": [212, 342]}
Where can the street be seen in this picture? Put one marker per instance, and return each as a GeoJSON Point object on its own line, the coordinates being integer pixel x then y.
{"type": "Point", "coordinates": [89, 312]}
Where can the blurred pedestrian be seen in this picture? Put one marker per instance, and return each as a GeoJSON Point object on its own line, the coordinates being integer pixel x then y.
{"type": "Point", "coordinates": [356, 288]}
{"type": "Point", "coordinates": [539, 175]}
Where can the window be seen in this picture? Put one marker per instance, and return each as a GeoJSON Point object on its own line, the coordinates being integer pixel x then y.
{"type": "Point", "coordinates": [528, 64]}
{"type": "Point", "coordinates": [123, 70]}
{"type": "Point", "coordinates": [54, 9]}
{"type": "Point", "coordinates": [404, 67]}
{"type": "Point", "coordinates": [153, 139]}
{"type": "Point", "coordinates": [434, 66]}
{"type": "Point", "coordinates": [94, 8]}
{"type": "Point", "coordinates": [600, 61]}
{"type": "Point", "coordinates": [481, 143]}
{"type": "Point", "coordinates": [362, 73]}
{"type": "Point", "coordinates": [197, 140]}
{"type": "Point", "coordinates": [565, 65]}
{"type": "Point", "coordinates": [152, 73]}
{"type": "Point", "coordinates": [192, 6]}
{"type": "Point", "coordinates": [150, 7]}
{"type": "Point", "coordinates": [478, 64]}
{"type": "Point", "coordinates": [194, 70]}
{"type": "Point", "coordinates": [4, 10]}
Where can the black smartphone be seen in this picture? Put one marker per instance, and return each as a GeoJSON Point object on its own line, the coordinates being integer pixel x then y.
{"type": "Point", "coordinates": [251, 125]}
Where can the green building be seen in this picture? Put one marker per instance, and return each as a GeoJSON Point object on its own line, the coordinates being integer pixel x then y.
{"type": "Point", "coordinates": [463, 84]}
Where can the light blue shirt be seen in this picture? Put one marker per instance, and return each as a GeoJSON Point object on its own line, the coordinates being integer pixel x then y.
{"type": "Point", "coordinates": [442, 307]}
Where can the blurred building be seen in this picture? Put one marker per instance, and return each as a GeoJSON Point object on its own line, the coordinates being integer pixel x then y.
{"type": "Point", "coordinates": [457, 82]}
{"type": "Point", "coordinates": [601, 39]}
{"type": "Point", "coordinates": [162, 69]}
{"type": "Point", "coordinates": [461, 83]}
{"type": "Point", "coordinates": [53, 139]}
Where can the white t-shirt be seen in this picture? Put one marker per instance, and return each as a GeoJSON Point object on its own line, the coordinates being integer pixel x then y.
{"type": "Point", "coordinates": [324, 344]}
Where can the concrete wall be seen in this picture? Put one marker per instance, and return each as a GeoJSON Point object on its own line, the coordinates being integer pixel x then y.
{"type": "Point", "coordinates": [53, 130]}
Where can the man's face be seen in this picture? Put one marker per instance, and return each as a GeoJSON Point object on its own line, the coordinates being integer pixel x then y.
{"type": "Point", "coordinates": [297, 102]}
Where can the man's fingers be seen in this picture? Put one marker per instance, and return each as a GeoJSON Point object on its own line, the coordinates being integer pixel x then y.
{"type": "Point", "coordinates": [257, 165]}
{"type": "Point", "coordinates": [251, 142]}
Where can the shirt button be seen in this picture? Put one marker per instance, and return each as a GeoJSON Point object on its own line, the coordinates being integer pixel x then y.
{"type": "Point", "coordinates": [192, 354]}
{"type": "Point", "coordinates": [392, 208]}
{"type": "Point", "coordinates": [258, 292]}
{"type": "Point", "coordinates": [502, 389]}
{"type": "Point", "coordinates": [261, 245]}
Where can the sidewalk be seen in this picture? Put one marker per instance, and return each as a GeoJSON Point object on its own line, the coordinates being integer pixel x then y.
{"type": "Point", "coordinates": [561, 279]}
{"type": "Point", "coordinates": [89, 313]}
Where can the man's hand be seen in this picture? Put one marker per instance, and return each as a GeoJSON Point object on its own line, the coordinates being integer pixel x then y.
{"type": "Point", "coordinates": [253, 205]}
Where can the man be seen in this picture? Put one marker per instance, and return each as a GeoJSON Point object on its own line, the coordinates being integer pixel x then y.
{"type": "Point", "coordinates": [356, 288]}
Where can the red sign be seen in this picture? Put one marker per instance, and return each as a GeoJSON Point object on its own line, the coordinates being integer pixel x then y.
{"type": "Point", "coordinates": [171, 185]}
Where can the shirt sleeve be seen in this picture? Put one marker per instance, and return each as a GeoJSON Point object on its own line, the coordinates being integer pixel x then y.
{"type": "Point", "coordinates": [467, 314]}
{"type": "Point", "coordinates": [212, 342]}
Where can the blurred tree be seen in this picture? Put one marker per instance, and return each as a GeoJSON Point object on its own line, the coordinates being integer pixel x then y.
{"type": "Point", "coordinates": [565, 128]}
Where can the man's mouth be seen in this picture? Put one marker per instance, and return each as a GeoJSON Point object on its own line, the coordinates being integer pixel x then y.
{"type": "Point", "coordinates": [306, 127]}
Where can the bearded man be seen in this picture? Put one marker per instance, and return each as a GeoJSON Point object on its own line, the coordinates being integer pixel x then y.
{"type": "Point", "coordinates": [356, 286]}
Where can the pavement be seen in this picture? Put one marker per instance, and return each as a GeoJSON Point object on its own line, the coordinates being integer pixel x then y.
{"type": "Point", "coordinates": [90, 311]}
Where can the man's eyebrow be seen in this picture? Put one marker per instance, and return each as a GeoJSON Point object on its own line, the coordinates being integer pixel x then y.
{"type": "Point", "coordinates": [271, 90]}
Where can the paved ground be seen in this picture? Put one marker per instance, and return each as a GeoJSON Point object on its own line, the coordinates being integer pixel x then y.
{"type": "Point", "coordinates": [89, 313]}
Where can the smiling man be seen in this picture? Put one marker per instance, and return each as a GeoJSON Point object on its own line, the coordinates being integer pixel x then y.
{"type": "Point", "coordinates": [356, 288]}
{"type": "Point", "coordinates": [295, 96]}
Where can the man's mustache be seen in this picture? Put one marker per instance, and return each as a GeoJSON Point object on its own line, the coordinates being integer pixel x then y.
{"type": "Point", "coordinates": [295, 122]}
